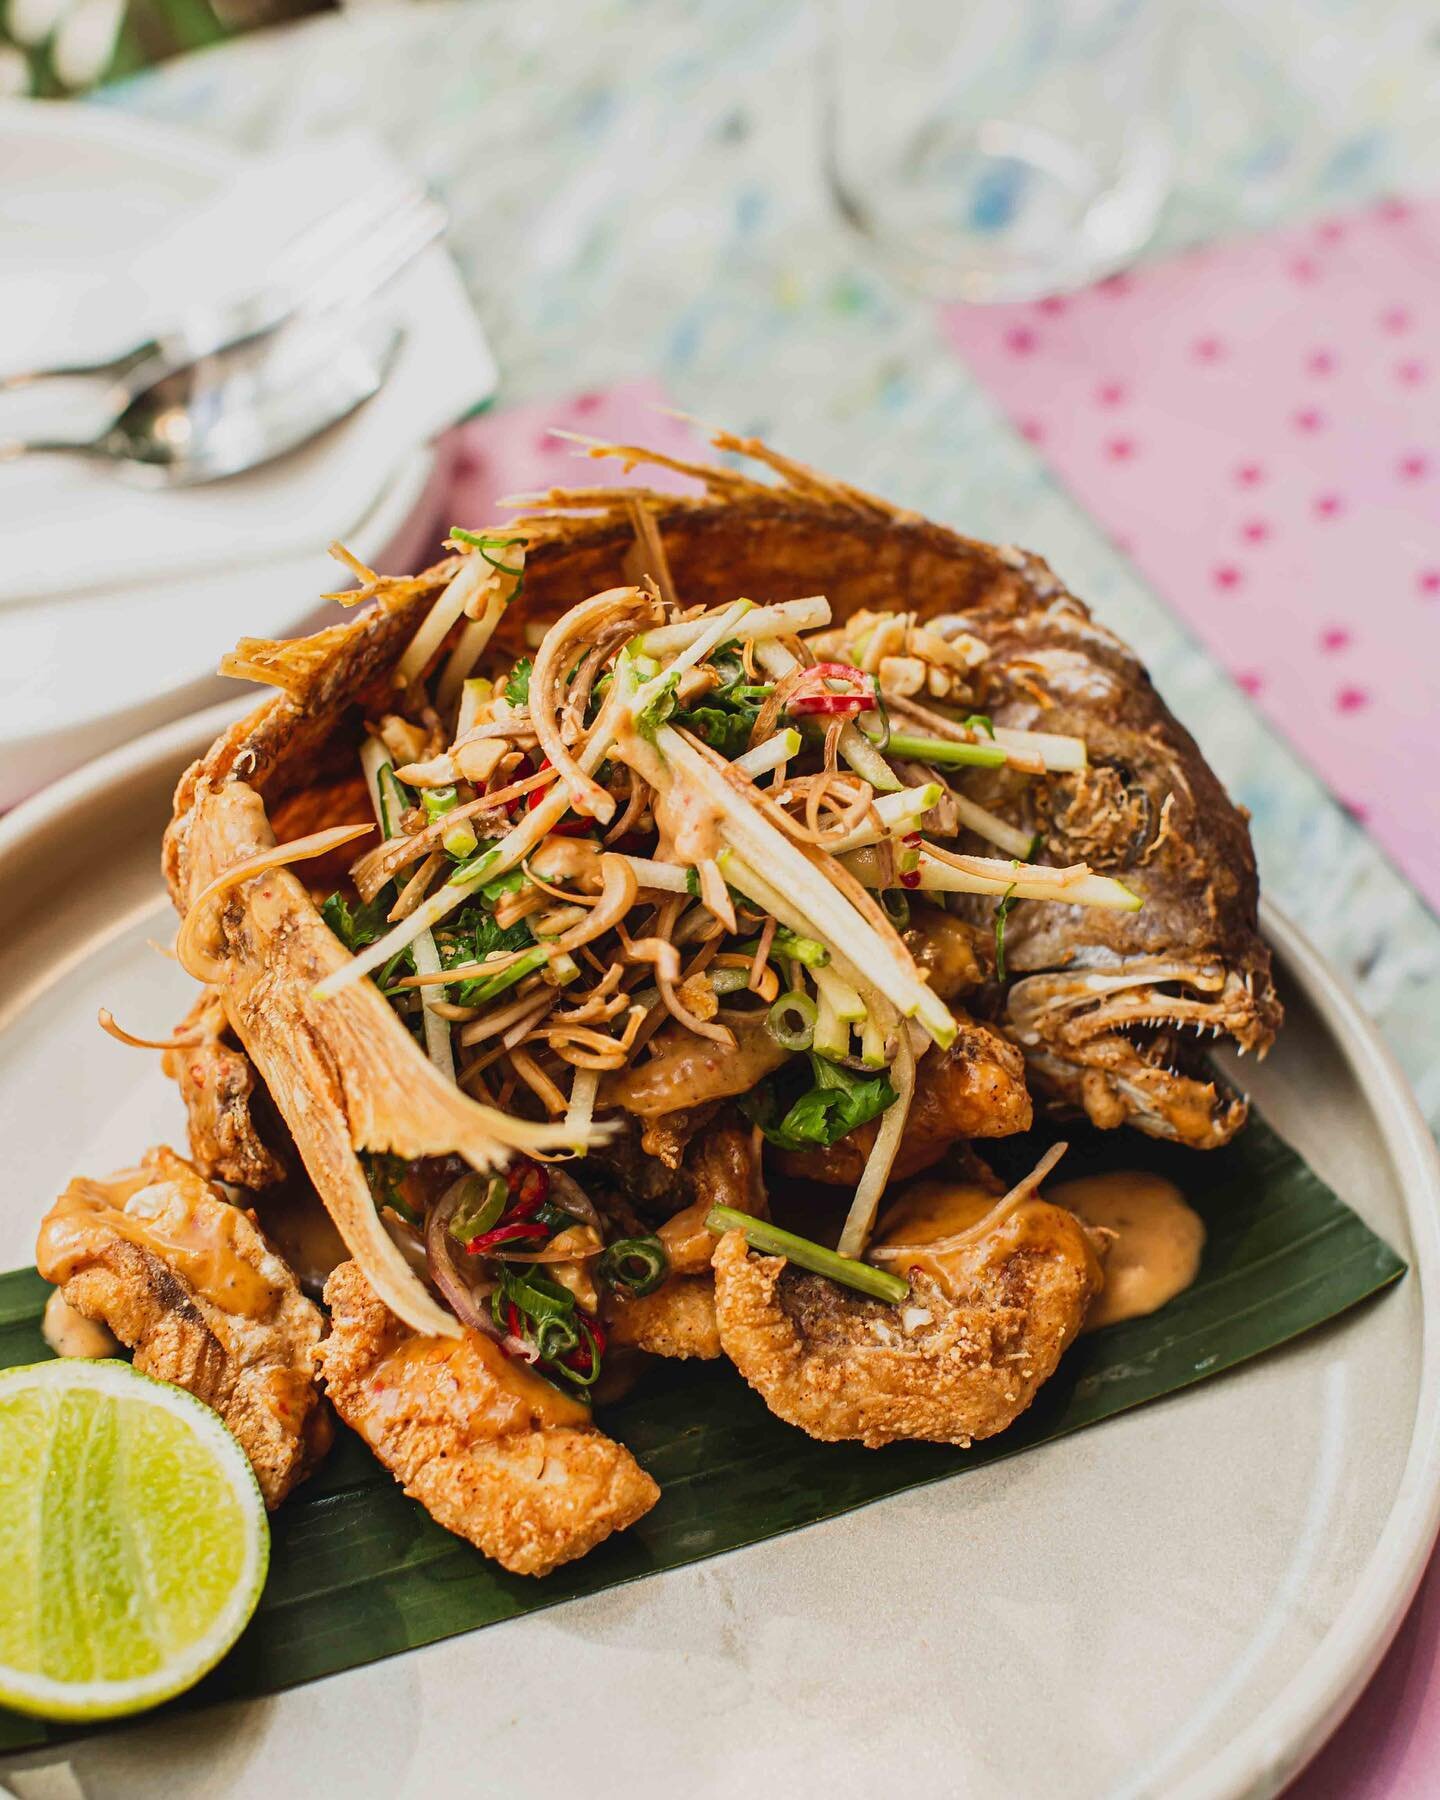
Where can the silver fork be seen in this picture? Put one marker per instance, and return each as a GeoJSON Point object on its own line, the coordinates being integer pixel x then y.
{"type": "Point", "coordinates": [246, 405]}
{"type": "Point", "coordinates": [342, 261]}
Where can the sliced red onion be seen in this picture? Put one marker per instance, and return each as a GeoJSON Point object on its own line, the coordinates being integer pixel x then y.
{"type": "Point", "coordinates": [567, 1194]}
{"type": "Point", "coordinates": [443, 1271]}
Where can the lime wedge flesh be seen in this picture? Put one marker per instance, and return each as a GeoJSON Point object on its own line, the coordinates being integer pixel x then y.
{"type": "Point", "coordinates": [133, 1540]}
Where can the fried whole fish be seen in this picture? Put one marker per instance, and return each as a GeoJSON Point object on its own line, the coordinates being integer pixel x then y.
{"type": "Point", "coordinates": [1108, 1008]}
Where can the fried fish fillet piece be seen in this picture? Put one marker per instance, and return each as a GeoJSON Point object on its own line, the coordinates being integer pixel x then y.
{"type": "Point", "coordinates": [678, 1319]}
{"type": "Point", "coordinates": [217, 1083]}
{"type": "Point", "coordinates": [961, 1358]}
{"type": "Point", "coordinates": [162, 1258]}
{"type": "Point", "coordinates": [490, 1449]}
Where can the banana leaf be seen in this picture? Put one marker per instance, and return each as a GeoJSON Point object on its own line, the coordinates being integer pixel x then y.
{"type": "Point", "coordinates": [359, 1572]}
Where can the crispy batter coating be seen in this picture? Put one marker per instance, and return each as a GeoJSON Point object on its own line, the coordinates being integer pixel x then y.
{"type": "Point", "coordinates": [217, 1083]}
{"type": "Point", "coordinates": [344, 1074]}
{"type": "Point", "coordinates": [186, 1280]}
{"type": "Point", "coordinates": [492, 1451]}
{"type": "Point", "coordinates": [950, 1364]}
{"type": "Point", "coordinates": [975, 1089]}
{"type": "Point", "coordinates": [678, 1319]}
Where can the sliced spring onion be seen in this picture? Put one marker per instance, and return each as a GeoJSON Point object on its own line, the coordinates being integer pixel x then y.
{"type": "Point", "coordinates": [897, 907]}
{"type": "Point", "coordinates": [791, 1020]}
{"type": "Point", "coordinates": [775, 750]}
{"type": "Point", "coordinates": [761, 1235]}
{"type": "Point", "coordinates": [480, 1206]}
{"type": "Point", "coordinates": [810, 895]}
{"type": "Point", "coordinates": [729, 981]}
{"type": "Point", "coordinates": [790, 946]}
{"type": "Point", "coordinates": [946, 753]}
{"type": "Point", "coordinates": [854, 746]}
{"type": "Point", "coordinates": [634, 1267]}
{"type": "Point", "coordinates": [486, 988]}
{"type": "Point", "coordinates": [990, 875]}
{"type": "Point", "coordinates": [783, 619]}
{"type": "Point", "coordinates": [460, 840]}
{"type": "Point", "coordinates": [897, 814]}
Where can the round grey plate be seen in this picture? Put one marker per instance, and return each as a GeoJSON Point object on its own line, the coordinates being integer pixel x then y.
{"type": "Point", "coordinates": [1182, 1601]}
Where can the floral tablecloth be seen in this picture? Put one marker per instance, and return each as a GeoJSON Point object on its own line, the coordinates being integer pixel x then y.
{"type": "Point", "coordinates": [636, 195]}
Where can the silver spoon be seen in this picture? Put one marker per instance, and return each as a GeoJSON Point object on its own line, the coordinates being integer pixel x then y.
{"type": "Point", "coordinates": [231, 412]}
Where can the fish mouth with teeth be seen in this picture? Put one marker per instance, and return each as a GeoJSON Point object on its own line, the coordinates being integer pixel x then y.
{"type": "Point", "coordinates": [1123, 1039]}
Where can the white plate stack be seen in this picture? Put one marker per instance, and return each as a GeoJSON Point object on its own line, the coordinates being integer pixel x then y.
{"type": "Point", "coordinates": [117, 603]}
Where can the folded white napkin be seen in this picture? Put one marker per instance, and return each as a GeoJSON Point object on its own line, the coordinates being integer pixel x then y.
{"type": "Point", "coordinates": [68, 527]}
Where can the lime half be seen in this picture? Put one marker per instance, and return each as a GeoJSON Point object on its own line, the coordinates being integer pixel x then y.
{"type": "Point", "coordinates": [133, 1540]}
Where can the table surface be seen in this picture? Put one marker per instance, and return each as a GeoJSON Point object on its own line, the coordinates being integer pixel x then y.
{"type": "Point", "coordinates": [635, 191]}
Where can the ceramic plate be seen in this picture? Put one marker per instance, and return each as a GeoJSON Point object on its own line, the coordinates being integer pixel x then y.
{"type": "Point", "coordinates": [61, 709]}
{"type": "Point", "coordinates": [1182, 1601]}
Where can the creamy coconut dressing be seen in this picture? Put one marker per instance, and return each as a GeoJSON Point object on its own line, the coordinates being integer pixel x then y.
{"type": "Point", "coordinates": [1158, 1243]}
{"type": "Point", "coordinates": [70, 1333]}
{"type": "Point", "coordinates": [488, 1393]}
{"type": "Point", "coordinates": [687, 1070]}
{"type": "Point", "coordinates": [197, 1240]}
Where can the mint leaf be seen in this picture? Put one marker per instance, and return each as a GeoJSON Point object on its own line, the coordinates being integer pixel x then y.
{"type": "Point", "coordinates": [839, 1100]}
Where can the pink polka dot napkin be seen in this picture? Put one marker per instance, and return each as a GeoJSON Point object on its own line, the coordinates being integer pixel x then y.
{"type": "Point", "coordinates": [514, 450]}
{"type": "Point", "coordinates": [1258, 425]}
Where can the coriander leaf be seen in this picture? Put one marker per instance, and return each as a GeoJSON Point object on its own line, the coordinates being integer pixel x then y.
{"type": "Point", "coordinates": [383, 1175]}
{"type": "Point", "coordinates": [356, 927]}
{"type": "Point", "coordinates": [471, 936]}
{"type": "Point", "coordinates": [517, 687]}
{"type": "Point", "coordinates": [839, 1100]}
{"type": "Point", "coordinates": [726, 729]}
